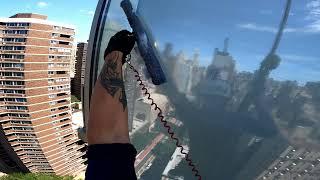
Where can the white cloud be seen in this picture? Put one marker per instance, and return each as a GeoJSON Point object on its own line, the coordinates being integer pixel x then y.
{"type": "Point", "coordinates": [311, 28]}
{"type": "Point", "coordinates": [255, 27]}
{"type": "Point", "coordinates": [87, 12]}
{"type": "Point", "coordinates": [313, 4]}
{"type": "Point", "coordinates": [312, 21]}
{"type": "Point", "coordinates": [42, 4]}
{"type": "Point", "coordinates": [91, 13]}
{"type": "Point", "coordinates": [299, 58]}
{"type": "Point", "coordinates": [313, 16]}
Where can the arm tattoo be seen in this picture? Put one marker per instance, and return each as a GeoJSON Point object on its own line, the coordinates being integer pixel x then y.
{"type": "Point", "coordinates": [112, 81]}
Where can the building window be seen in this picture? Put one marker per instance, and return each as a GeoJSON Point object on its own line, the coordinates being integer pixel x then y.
{"type": "Point", "coordinates": [16, 108]}
{"type": "Point", "coordinates": [11, 40]}
{"type": "Point", "coordinates": [11, 65]}
{"type": "Point", "coordinates": [61, 72]}
{"type": "Point", "coordinates": [51, 72]}
{"type": "Point", "coordinates": [52, 103]}
{"type": "Point", "coordinates": [11, 56]}
{"type": "Point", "coordinates": [64, 43]}
{"type": "Point", "coordinates": [65, 36]}
{"type": "Point", "coordinates": [55, 35]}
{"type": "Point", "coordinates": [15, 32]}
{"type": "Point", "coordinates": [53, 42]}
{"type": "Point", "coordinates": [52, 96]}
{"type": "Point", "coordinates": [12, 74]}
{"type": "Point", "coordinates": [12, 48]}
{"type": "Point", "coordinates": [50, 88]}
{"type": "Point", "coordinates": [50, 80]}
{"type": "Point", "coordinates": [18, 24]}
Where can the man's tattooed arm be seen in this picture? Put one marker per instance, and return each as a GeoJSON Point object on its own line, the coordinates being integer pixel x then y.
{"type": "Point", "coordinates": [111, 79]}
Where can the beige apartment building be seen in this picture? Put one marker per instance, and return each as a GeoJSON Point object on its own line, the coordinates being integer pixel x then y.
{"type": "Point", "coordinates": [35, 113]}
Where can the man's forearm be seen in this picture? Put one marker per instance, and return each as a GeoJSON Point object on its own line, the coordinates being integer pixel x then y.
{"type": "Point", "coordinates": [108, 121]}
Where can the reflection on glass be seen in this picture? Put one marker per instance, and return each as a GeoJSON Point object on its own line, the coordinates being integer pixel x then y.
{"type": "Point", "coordinates": [241, 113]}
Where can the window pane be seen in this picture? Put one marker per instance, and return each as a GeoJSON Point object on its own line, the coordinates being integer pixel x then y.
{"type": "Point", "coordinates": [242, 110]}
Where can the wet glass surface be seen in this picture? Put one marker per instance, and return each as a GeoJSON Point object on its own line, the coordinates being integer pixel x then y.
{"type": "Point", "coordinates": [241, 111]}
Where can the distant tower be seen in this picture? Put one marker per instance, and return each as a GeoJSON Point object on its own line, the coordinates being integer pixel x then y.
{"type": "Point", "coordinates": [220, 73]}
{"type": "Point", "coordinates": [226, 45]}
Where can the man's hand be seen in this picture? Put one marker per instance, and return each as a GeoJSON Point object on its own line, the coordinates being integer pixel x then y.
{"type": "Point", "coordinates": [122, 41]}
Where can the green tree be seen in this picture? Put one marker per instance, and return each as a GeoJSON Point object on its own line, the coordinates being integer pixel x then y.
{"type": "Point", "coordinates": [74, 99]}
{"type": "Point", "coordinates": [35, 176]}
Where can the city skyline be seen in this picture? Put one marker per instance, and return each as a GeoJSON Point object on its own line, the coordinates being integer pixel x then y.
{"type": "Point", "coordinates": [257, 23]}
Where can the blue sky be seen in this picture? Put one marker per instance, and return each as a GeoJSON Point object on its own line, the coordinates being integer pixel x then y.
{"type": "Point", "coordinates": [76, 12]}
{"type": "Point", "coordinates": [250, 24]}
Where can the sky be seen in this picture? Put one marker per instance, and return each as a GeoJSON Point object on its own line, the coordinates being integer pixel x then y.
{"type": "Point", "coordinates": [251, 26]}
{"type": "Point", "coordinates": [74, 12]}
{"type": "Point", "coordinates": [203, 25]}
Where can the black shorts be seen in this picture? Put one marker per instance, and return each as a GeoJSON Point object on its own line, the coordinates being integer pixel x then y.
{"type": "Point", "coordinates": [111, 162]}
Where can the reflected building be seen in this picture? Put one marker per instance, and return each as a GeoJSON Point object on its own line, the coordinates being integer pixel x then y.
{"type": "Point", "coordinates": [131, 86]}
{"type": "Point", "coordinates": [219, 74]}
{"type": "Point", "coordinates": [187, 72]}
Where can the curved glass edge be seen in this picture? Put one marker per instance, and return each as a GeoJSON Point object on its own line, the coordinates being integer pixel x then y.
{"type": "Point", "coordinates": [92, 60]}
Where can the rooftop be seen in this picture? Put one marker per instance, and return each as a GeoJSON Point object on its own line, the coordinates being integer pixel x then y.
{"type": "Point", "coordinates": [30, 15]}
{"type": "Point", "coordinates": [33, 18]}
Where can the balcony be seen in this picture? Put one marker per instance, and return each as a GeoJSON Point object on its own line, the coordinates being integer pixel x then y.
{"type": "Point", "coordinates": [13, 43]}
{"type": "Point", "coordinates": [63, 31]}
{"type": "Point", "coordinates": [26, 160]}
{"type": "Point", "coordinates": [12, 95]}
{"type": "Point", "coordinates": [66, 128]}
{"type": "Point", "coordinates": [64, 59]}
{"type": "Point", "coordinates": [11, 60]}
{"type": "Point", "coordinates": [23, 157]}
{"type": "Point", "coordinates": [8, 125]}
{"type": "Point", "coordinates": [15, 35]}
{"type": "Point", "coordinates": [12, 68]}
{"type": "Point", "coordinates": [13, 86]}
{"type": "Point", "coordinates": [15, 27]}
{"type": "Point", "coordinates": [65, 132]}
{"type": "Point", "coordinates": [59, 124]}
{"type": "Point", "coordinates": [12, 51]}
{"type": "Point", "coordinates": [12, 77]}
{"type": "Point", "coordinates": [58, 68]}
{"type": "Point", "coordinates": [15, 111]}
{"type": "Point", "coordinates": [57, 111]}
{"type": "Point", "coordinates": [19, 118]}
{"type": "Point", "coordinates": [13, 103]}
{"type": "Point", "coordinates": [67, 96]}
{"type": "Point", "coordinates": [60, 118]}
{"type": "Point", "coordinates": [59, 75]}
{"type": "Point", "coordinates": [11, 131]}
{"type": "Point", "coordinates": [69, 39]}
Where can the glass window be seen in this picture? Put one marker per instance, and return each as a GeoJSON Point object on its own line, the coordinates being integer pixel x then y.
{"type": "Point", "coordinates": [242, 98]}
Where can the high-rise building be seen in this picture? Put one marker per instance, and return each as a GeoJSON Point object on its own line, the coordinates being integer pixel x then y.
{"type": "Point", "coordinates": [220, 73]}
{"type": "Point", "coordinates": [78, 80]}
{"type": "Point", "coordinates": [35, 114]}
